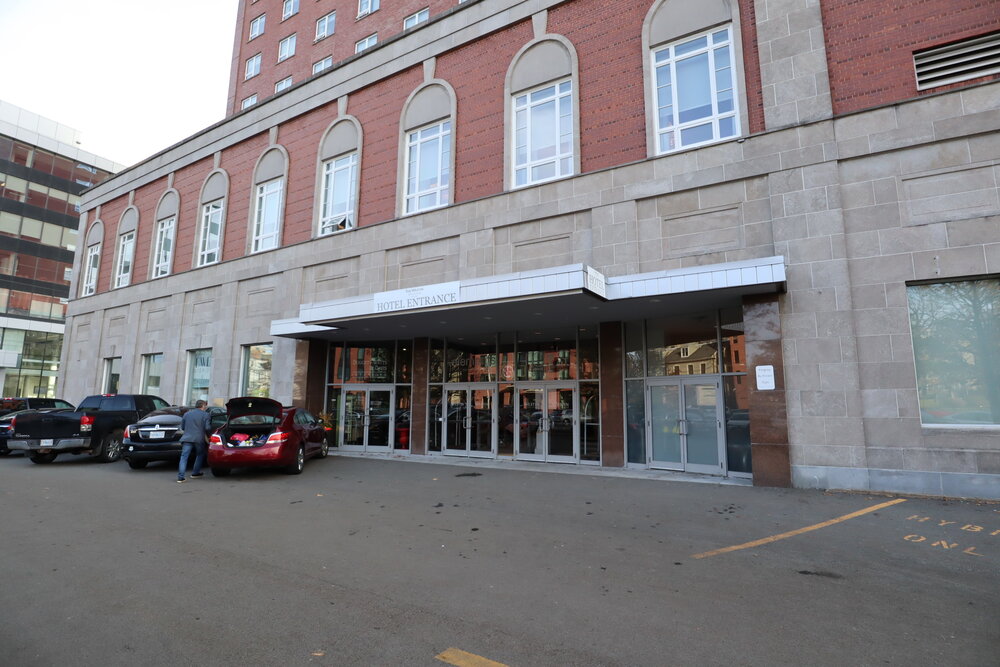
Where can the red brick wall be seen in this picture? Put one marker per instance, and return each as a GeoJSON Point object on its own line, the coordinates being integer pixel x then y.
{"type": "Point", "coordinates": [870, 45]}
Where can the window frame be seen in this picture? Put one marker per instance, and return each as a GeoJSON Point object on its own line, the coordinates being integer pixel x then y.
{"type": "Point", "coordinates": [91, 268]}
{"type": "Point", "coordinates": [676, 128]}
{"type": "Point", "coordinates": [261, 200]}
{"type": "Point", "coordinates": [248, 102]}
{"type": "Point", "coordinates": [123, 267]}
{"type": "Point", "coordinates": [245, 356]}
{"type": "Point", "coordinates": [256, 60]}
{"type": "Point", "coordinates": [283, 84]}
{"type": "Point", "coordinates": [192, 357]}
{"type": "Point", "coordinates": [557, 160]}
{"type": "Point", "coordinates": [341, 221]}
{"type": "Point", "coordinates": [289, 8]}
{"type": "Point", "coordinates": [286, 48]}
{"type": "Point", "coordinates": [329, 63]}
{"type": "Point", "coordinates": [358, 48]}
{"type": "Point", "coordinates": [413, 140]}
{"type": "Point", "coordinates": [204, 234]}
{"type": "Point", "coordinates": [426, 11]}
{"type": "Point", "coordinates": [147, 362]}
{"type": "Point", "coordinates": [329, 23]}
{"type": "Point", "coordinates": [366, 7]}
{"type": "Point", "coordinates": [254, 32]}
{"type": "Point", "coordinates": [163, 258]}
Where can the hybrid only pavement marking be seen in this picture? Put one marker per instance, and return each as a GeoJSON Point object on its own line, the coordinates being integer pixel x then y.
{"type": "Point", "coordinates": [799, 531]}
{"type": "Point", "coordinates": [460, 658]}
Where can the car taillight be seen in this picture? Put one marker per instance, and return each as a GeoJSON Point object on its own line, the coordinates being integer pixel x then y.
{"type": "Point", "coordinates": [13, 420]}
{"type": "Point", "coordinates": [277, 438]}
{"type": "Point", "coordinates": [216, 439]}
{"type": "Point", "coordinates": [86, 422]}
{"type": "Point", "coordinates": [128, 433]}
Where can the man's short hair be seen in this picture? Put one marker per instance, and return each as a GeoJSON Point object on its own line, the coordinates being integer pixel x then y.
{"type": "Point", "coordinates": [200, 403]}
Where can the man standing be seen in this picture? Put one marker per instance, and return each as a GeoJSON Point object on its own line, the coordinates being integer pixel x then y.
{"type": "Point", "coordinates": [196, 426]}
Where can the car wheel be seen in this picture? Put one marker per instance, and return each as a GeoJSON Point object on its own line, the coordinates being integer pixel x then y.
{"type": "Point", "coordinates": [111, 448]}
{"type": "Point", "coordinates": [323, 450]}
{"type": "Point", "coordinates": [137, 465]}
{"type": "Point", "coordinates": [300, 462]}
{"type": "Point", "coordinates": [220, 472]}
{"type": "Point", "coordinates": [42, 458]}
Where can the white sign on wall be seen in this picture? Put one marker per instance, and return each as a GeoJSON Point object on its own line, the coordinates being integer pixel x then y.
{"type": "Point", "coordinates": [409, 298]}
{"type": "Point", "coordinates": [765, 378]}
{"type": "Point", "coordinates": [597, 283]}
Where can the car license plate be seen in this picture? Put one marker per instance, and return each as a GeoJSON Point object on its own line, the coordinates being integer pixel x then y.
{"type": "Point", "coordinates": [47, 442]}
{"type": "Point", "coordinates": [156, 435]}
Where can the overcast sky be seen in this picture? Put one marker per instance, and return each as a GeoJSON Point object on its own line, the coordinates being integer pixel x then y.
{"type": "Point", "coordinates": [133, 76]}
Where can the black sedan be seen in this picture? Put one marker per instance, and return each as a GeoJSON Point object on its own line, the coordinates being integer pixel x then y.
{"type": "Point", "coordinates": [157, 436]}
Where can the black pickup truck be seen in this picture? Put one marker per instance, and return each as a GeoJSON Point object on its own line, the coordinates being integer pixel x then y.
{"type": "Point", "coordinates": [95, 427]}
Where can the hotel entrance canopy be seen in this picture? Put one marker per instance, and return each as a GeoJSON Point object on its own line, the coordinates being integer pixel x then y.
{"type": "Point", "coordinates": [574, 294]}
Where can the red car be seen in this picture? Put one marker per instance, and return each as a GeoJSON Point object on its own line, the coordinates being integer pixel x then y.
{"type": "Point", "coordinates": [260, 433]}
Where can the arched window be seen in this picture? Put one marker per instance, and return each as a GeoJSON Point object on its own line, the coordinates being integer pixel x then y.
{"type": "Point", "coordinates": [164, 234]}
{"type": "Point", "coordinates": [211, 218]}
{"type": "Point", "coordinates": [267, 204]}
{"type": "Point", "coordinates": [125, 247]}
{"type": "Point", "coordinates": [543, 112]}
{"type": "Point", "coordinates": [426, 148]}
{"type": "Point", "coordinates": [337, 177]}
{"type": "Point", "coordinates": [92, 258]}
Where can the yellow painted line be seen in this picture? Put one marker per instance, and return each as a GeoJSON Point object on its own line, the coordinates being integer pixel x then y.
{"type": "Point", "coordinates": [799, 531]}
{"type": "Point", "coordinates": [460, 658]}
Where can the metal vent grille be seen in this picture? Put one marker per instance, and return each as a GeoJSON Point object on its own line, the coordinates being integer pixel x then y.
{"type": "Point", "coordinates": [960, 61]}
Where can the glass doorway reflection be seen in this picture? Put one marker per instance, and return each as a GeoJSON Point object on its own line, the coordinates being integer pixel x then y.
{"type": "Point", "coordinates": [366, 418]}
{"type": "Point", "coordinates": [684, 425]}
{"type": "Point", "coordinates": [468, 419]}
{"type": "Point", "coordinates": [547, 417]}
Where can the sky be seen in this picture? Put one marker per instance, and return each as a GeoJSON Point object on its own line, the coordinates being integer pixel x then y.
{"type": "Point", "coordinates": [133, 76]}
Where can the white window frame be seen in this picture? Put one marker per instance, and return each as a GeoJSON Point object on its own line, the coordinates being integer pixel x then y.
{"type": "Point", "coordinates": [441, 191]}
{"type": "Point", "coordinates": [416, 18]}
{"type": "Point", "coordinates": [326, 25]}
{"type": "Point", "coordinates": [286, 48]}
{"type": "Point", "coordinates": [252, 67]}
{"type": "Point", "coordinates": [248, 102]}
{"type": "Point", "coordinates": [322, 65]}
{"type": "Point", "coordinates": [90, 272]}
{"type": "Point", "coordinates": [245, 389]}
{"type": "Point", "coordinates": [366, 43]}
{"type": "Point", "coordinates": [209, 245]}
{"type": "Point", "coordinates": [189, 379]}
{"type": "Point", "coordinates": [669, 137]}
{"type": "Point", "coordinates": [257, 26]}
{"type": "Point", "coordinates": [366, 7]}
{"type": "Point", "coordinates": [109, 371]}
{"type": "Point", "coordinates": [337, 216]}
{"type": "Point", "coordinates": [163, 247]}
{"type": "Point", "coordinates": [267, 232]}
{"type": "Point", "coordinates": [284, 83]}
{"type": "Point", "coordinates": [523, 104]}
{"type": "Point", "coordinates": [126, 255]}
{"type": "Point", "coordinates": [147, 362]}
{"type": "Point", "coordinates": [289, 8]}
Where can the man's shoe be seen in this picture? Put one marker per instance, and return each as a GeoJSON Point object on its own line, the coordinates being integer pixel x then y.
{"type": "Point", "coordinates": [197, 474]}
{"type": "Point", "coordinates": [180, 481]}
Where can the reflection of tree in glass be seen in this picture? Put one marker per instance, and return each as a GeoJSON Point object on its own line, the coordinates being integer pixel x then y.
{"type": "Point", "coordinates": [956, 341]}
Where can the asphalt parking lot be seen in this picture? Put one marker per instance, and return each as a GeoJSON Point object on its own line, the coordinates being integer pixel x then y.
{"type": "Point", "coordinates": [362, 561]}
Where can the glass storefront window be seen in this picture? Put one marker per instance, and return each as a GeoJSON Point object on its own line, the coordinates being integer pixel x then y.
{"type": "Point", "coordinates": [506, 345]}
{"type": "Point", "coordinates": [635, 420]}
{"type": "Point", "coordinates": [589, 414]}
{"type": "Point", "coordinates": [506, 400]}
{"type": "Point", "coordinates": [434, 414]}
{"type": "Point", "coordinates": [152, 371]}
{"type": "Point", "coordinates": [402, 417]}
{"type": "Point", "coordinates": [112, 374]}
{"type": "Point", "coordinates": [404, 361]}
{"type": "Point", "coordinates": [589, 354]}
{"type": "Point", "coordinates": [734, 353]}
{"type": "Point", "coordinates": [956, 345]}
{"type": "Point", "coordinates": [473, 360]}
{"type": "Point", "coordinates": [435, 371]}
{"type": "Point", "coordinates": [547, 356]}
{"type": "Point", "coordinates": [682, 345]}
{"type": "Point", "coordinates": [635, 355]}
{"type": "Point", "coordinates": [736, 396]}
{"type": "Point", "coordinates": [257, 369]}
{"type": "Point", "coordinates": [199, 375]}
{"type": "Point", "coordinates": [364, 363]}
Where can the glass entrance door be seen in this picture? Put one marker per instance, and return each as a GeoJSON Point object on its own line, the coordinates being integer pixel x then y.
{"type": "Point", "coordinates": [684, 425]}
{"type": "Point", "coordinates": [547, 419]}
{"type": "Point", "coordinates": [367, 419]}
{"type": "Point", "coordinates": [469, 419]}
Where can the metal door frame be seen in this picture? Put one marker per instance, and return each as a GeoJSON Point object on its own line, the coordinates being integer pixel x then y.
{"type": "Point", "coordinates": [683, 383]}
{"type": "Point", "coordinates": [547, 386]}
{"type": "Point", "coordinates": [367, 389]}
{"type": "Point", "coordinates": [467, 418]}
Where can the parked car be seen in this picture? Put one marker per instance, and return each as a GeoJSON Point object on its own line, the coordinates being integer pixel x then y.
{"type": "Point", "coordinates": [95, 427]}
{"type": "Point", "coordinates": [9, 405]}
{"type": "Point", "coordinates": [259, 432]}
{"type": "Point", "coordinates": [157, 436]}
{"type": "Point", "coordinates": [7, 425]}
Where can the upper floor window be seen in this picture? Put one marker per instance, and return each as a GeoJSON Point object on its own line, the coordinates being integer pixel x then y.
{"type": "Point", "coordinates": [267, 221]}
{"type": "Point", "coordinates": [123, 269]}
{"type": "Point", "coordinates": [340, 182]}
{"type": "Point", "coordinates": [284, 83]}
{"type": "Point", "coordinates": [253, 67]}
{"type": "Point", "coordinates": [366, 43]}
{"type": "Point", "coordinates": [326, 63]}
{"type": "Point", "coordinates": [428, 167]}
{"type": "Point", "coordinates": [257, 26]}
{"type": "Point", "coordinates": [695, 91]}
{"type": "Point", "coordinates": [210, 236]}
{"type": "Point", "coordinates": [286, 48]}
{"type": "Point", "coordinates": [543, 134]}
{"type": "Point", "coordinates": [163, 247]}
{"type": "Point", "coordinates": [366, 7]}
{"type": "Point", "coordinates": [90, 270]}
{"type": "Point", "coordinates": [414, 19]}
{"type": "Point", "coordinates": [248, 101]}
{"type": "Point", "coordinates": [326, 25]}
{"type": "Point", "coordinates": [289, 8]}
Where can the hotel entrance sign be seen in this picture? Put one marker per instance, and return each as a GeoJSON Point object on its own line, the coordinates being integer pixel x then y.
{"type": "Point", "coordinates": [597, 283]}
{"type": "Point", "coordinates": [410, 298]}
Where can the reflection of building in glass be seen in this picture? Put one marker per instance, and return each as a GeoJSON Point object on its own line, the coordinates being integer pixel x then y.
{"type": "Point", "coordinates": [39, 215]}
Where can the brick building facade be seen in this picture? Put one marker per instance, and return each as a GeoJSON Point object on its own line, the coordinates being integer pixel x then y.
{"type": "Point", "coordinates": [719, 238]}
